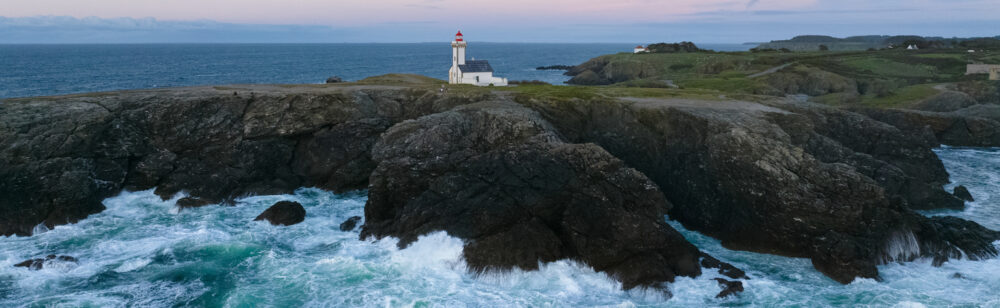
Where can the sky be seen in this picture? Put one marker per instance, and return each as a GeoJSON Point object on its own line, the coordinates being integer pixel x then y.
{"type": "Point", "coordinates": [633, 21]}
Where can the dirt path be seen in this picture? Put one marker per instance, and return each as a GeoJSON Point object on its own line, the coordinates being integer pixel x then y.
{"type": "Point", "coordinates": [771, 70]}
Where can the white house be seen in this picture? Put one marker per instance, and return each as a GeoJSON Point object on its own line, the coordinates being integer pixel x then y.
{"type": "Point", "coordinates": [912, 47]}
{"type": "Point", "coordinates": [640, 49]}
{"type": "Point", "coordinates": [477, 72]}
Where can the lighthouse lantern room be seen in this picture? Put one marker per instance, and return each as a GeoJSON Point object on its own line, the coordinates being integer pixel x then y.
{"type": "Point", "coordinates": [477, 72]}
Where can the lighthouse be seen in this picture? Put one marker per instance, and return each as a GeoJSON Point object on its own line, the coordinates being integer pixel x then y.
{"type": "Point", "coordinates": [476, 72]}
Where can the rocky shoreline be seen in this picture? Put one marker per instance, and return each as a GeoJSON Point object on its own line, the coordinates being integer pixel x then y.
{"type": "Point", "coordinates": [521, 179]}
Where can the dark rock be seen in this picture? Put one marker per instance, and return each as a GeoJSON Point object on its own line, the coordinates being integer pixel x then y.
{"type": "Point", "coordinates": [784, 178]}
{"type": "Point", "coordinates": [283, 213]}
{"type": "Point", "coordinates": [63, 155]}
{"type": "Point", "coordinates": [724, 268]}
{"type": "Point", "coordinates": [334, 79]}
{"type": "Point", "coordinates": [39, 263]}
{"type": "Point", "coordinates": [498, 176]}
{"type": "Point", "coordinates": [190, 202]}
{"type": "Point", "coordinates": [977, 126]}
{"type": "Point", "coordinates": [963, 193]}
{"type": "Point", "coordinates": [957, 276]}
{"type": "Point", "coordinates": [350, 223]}
{"type": "Point", "coordinates": [729, 287]}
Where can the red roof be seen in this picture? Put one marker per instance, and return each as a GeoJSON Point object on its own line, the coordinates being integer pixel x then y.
{"type": "Point", "coordinates": [639, 47]}
{"type": "Point", "coordinates": [458, 36]}
{"type": "Point", "coordinates": [459, 33]}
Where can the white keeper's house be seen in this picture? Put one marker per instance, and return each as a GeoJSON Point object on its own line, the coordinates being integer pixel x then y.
{"type": "Point", "coordinates": [477, 72]}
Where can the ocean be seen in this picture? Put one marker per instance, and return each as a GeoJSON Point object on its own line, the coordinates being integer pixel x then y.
{"type": "Point", "coordinates": [38, 70]}
{"type": "Point", "coordinates": [143, 252]}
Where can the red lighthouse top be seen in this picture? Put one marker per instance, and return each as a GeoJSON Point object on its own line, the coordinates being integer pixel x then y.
{"type": "Point", "coordinates": [458, 36]}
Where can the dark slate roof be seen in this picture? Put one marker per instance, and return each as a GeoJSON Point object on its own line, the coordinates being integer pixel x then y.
{"type": "Point", "coordinates": [476, 66]}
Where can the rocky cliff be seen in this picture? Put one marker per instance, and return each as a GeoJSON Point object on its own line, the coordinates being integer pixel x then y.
{"type": "Point", "coordinates": [522, 179]}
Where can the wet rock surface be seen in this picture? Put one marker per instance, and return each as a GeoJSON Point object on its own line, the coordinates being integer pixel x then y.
{"type": "Point", "coordinates": [283, 213]}
{"type": "Point", "coordinates": [350, 223]}
{"type": "Point", "coordinates": [189, 202]}
{"type": "Point", "coordinates": [963, 193]}
{"type": "Point", "coordinates": [40, 263]}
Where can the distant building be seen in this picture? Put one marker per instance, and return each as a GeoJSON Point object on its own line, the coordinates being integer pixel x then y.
{"type": "Point", "coordinates": [477, 72]}
{"type": "Point", "coordinates": [912, 47]}
{"type": "Point", "coordinates": [995, 73]}
{"type": "Point", "coordinates": [980, 68]}
{"type": "Point", "coordinates": [640, 49]}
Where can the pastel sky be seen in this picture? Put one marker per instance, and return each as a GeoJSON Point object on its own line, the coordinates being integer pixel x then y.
{"type": "Point", "coordinates": [713, 21]}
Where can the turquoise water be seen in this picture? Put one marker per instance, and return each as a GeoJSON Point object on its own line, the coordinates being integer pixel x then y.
{"type": "Point", "coordinates": [142, 251]}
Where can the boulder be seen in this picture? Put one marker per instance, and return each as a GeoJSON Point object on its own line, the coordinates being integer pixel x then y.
{"type": "Point", "coordinates": [40, 263]}
{"type": "Point", "coordinates": [190, 202]}
{"type": "Point", "coordinates": [283, 213]}
{"type": "Point", "coordinates": [350, 223]}
{"type": "Point", "coordinates": [963, 193]}
{"type": "Point", "coordinates": [334, 79]}
{"type": "Point", "coordinates": [500, 177]}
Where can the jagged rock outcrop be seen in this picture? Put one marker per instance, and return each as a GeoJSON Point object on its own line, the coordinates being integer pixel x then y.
{"type": "Point", "coordinates": [62, 156]}
{"type": "Point", "coordinates": [977, 125]}
{"type": "Point", "coordinates": [499, 176]}
{"type": "Point", "coordinates": [787, 178]}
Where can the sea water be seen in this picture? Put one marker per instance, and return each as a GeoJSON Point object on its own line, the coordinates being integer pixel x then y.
{"type": "Point", "coordinates": [143, 251]}
{"type": "Point", "coordinates": [37, 70]}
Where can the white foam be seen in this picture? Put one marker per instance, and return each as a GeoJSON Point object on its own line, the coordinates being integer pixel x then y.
{"type": "Point", "coordinates": [901, 246]}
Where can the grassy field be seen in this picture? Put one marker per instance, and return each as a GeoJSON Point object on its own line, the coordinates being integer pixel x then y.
{"type": "Point", "coordinates": [887, 78]}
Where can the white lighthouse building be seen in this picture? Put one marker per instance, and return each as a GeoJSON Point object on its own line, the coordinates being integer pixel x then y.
{"type": "Point", "coordinates": [477, 72]}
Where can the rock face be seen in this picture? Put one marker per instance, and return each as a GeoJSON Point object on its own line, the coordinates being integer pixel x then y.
{"type": "Point", "coordinates": [977, 125]}
{"type": "Point", "coordinates": [283, 213]}
{"type": "Point", "coordinates": [62, 156]}
{"type": "Point", "coordinates": [790, 179]}
{"type": "Point", "coordinates": [40, 263]}
{"type": "Point", "coordinates": [499, 176]}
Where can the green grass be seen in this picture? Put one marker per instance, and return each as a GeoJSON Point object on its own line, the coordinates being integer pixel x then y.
{"type": "Point", "coordinates": [564, 93]}
{"type": "Point", "coordinates": [885, 67]}
{"type": "Point", "coordinates": [902, 97]}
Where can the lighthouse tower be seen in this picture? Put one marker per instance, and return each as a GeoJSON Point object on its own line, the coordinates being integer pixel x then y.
{"type": "Point", "coordinates": [474, 72]}
{"type": "Point", "coordinates": [457, 58]}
